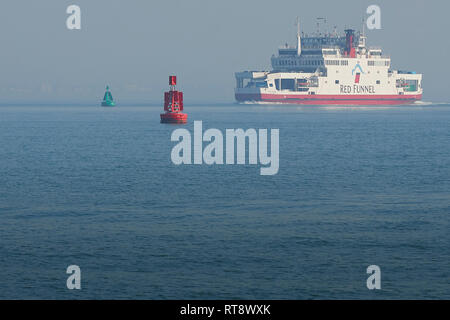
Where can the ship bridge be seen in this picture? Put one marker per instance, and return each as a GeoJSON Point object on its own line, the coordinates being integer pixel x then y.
{"type": "Point", "coordinates": [308, 55]}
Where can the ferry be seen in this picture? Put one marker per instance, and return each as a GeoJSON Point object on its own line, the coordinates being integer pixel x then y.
{"type": "Point", "coordinates": [329, 69]}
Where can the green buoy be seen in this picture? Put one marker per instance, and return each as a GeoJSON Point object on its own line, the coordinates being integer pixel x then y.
{"type": "Point", "coordinates": [108, 100]}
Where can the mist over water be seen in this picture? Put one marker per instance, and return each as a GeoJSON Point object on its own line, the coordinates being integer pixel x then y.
{"type": "Point", "coordinates": [131, 45]}
{"type": "Point", "coordinates": [96, 187]}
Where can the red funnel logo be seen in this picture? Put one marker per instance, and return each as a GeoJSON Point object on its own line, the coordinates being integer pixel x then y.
{"type": "Point", "coordinates": [357, 70]}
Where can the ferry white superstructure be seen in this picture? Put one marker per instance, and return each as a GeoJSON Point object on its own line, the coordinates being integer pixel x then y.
{"type": "Point", "coordinates": [329, 70]}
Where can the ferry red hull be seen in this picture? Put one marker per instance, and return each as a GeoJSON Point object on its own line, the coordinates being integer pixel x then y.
{"type": "Point", "coordinates": [362, 100]}
{"type": "Point", "coordinates": [174, 117]}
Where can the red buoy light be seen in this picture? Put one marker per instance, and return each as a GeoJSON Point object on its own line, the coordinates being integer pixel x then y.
{"type": "Point", "coordinates": [173, 104]}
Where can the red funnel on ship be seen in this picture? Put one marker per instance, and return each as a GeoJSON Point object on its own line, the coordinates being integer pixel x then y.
{"type": "Point", "coordinates": [173, 104]}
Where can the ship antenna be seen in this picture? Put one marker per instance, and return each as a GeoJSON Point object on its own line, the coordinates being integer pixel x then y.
{"type": "Point", "coordinates": [318, 24]}
{"type": "Point", "coordinates": [318, 28]}
{"type": "Point", "coordinates": [363, 27]}
{"type": "Point", "coordinates": [299, 39]}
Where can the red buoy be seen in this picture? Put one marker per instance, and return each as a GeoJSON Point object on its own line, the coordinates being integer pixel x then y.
{"type": "Point", "coordinates": [173, 104]}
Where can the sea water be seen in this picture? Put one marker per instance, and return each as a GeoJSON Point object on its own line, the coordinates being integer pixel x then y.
{"type": "Point", "coordinates": [96, 187]}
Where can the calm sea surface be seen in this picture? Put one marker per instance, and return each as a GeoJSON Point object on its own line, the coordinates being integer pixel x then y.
{"type": "Point", "coordinates": [96, 187]}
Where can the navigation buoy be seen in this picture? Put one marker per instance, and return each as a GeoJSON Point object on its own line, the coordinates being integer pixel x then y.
{"type": "Point", "coordinates": [173, 104]}
{"type": "Point", "coordinates": [108, 100]}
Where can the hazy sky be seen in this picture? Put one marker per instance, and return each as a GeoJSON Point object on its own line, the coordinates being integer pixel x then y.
{"type": "Point", "coordinates": [134, 45]}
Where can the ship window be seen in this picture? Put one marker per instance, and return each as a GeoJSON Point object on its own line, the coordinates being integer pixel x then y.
{"type": "Point", "coordinates": [378, 81]}
{"type": "Point", "coordinates": [256, 84]}
{"type": "Point", "coordinates": [382, 63]}
{"type": "Point", "coordinates": [336, 82]}
{"type": "Point", "coordinates": [287, 84]}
